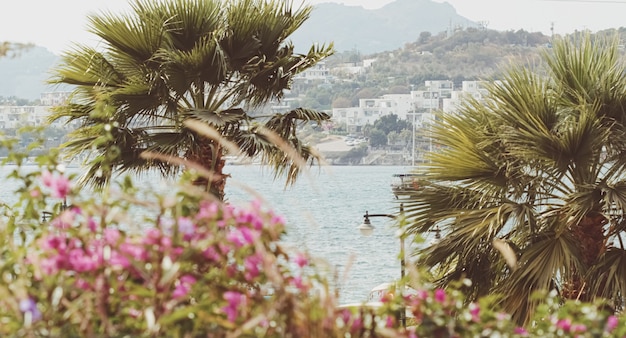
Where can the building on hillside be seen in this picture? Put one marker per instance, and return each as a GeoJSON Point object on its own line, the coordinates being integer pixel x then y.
{"type": "Point", "coordinates": [350, 69]}
{"type": "Point", "coordinates": [318, 72]}
{"type": "Point", "coordinates": [54, 98]}
{"type": "Point", "coordinates": [318, 75]}
{"type": "Point", "coordinates": [418, 107]}
{"type": "Point", "coordinates": [474, 89]}
{"type": "Point", "coordinates": [370, 110]}
{"type": "Point", "coordinates": [13, 117]}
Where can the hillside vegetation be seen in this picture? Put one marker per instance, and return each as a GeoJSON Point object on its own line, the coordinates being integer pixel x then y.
{"type": "Point", "coordinates": [470, 54]}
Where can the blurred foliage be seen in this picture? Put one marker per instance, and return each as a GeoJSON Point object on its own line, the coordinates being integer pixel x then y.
{"type": "Point", "coordinates": [132, 261]}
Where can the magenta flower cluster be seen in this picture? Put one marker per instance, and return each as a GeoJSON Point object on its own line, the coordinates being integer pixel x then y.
{"type": "Point", "coordinates": [216, 236]}
{"type": "Point", "coordinates": [59, 184]}
{"type": "Point", "coordinates": [212, 268]}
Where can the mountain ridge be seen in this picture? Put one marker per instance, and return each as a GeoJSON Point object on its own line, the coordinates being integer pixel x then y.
{"type": "Point", "coordinates": [367, 31]}
{"type": "Point", "coordinates": [375, 30]}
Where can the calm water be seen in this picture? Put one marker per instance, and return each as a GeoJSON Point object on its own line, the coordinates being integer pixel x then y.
{"type": "Point", "coordinates": [323, 211]}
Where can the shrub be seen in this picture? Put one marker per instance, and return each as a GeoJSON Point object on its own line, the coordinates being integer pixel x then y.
{"type": "Point", "coordinates": [129, 262]}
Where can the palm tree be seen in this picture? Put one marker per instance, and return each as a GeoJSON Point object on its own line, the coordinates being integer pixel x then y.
{"type": "Point", "coordinates": [168, 64]}
{"type": "Point", "coordinates": [529, 185]}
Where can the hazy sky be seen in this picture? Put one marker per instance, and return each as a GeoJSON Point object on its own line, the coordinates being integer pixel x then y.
{"type": "Point", "coordinates": [56, 23]}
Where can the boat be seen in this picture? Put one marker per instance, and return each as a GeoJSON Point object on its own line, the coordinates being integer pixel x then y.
{"type": "Point", "coordinates": [405, 184]}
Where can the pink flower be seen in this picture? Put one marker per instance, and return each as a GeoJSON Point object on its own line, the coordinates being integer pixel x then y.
{"type": "Point", "coordinates": [134, 251]}
{"type": "Point", "coordinates": [520, 331]}
{"type": "Point", "coordinates": [249, 236]}
{"type": "Point", "coordinates": [207, 210]}
{"type": "Point", "coordinates": [118, 261]}
{"type": "Point", "coordinates": [301, 260]}
{"type": "Point", "coordinates": [152, 237]}
{"type": "Point", "coordinates": [440, 296]}
{"type": "Point", "coordinates": [186, 227]}
{"type": "Point", "coordinates": [232, 270]}
{"type": "Point", "coordinates": [234, 236]}
{"type": "Point", "coordinates": [389, 323]}
{"type": "Point", "coordinates": [277, 220]}
{"type": "Point", "coordinates": [111, 236]}
{"type": "Point", "coordinates": [564, 324]}
{"type": "Point", "coordinates": [299, 283]}
{"type": "Point", "coordinates": [579, 328]}
{"type": "Point", "coordinates": [92, 224]}
{"type": "Point", "coordinates": [357, 325]}
{"type": "Point", "coordinates": [134, 313]}
{"type": "Point", "coordinates": [235, 301]}
{"type": "Point", "coordinates": [47, 178]}
{"type": "Point", "coordinates": [60, 185]}
{"type": "Point", "coordinates": [422, 294]}
{"type": "Point", "coordinates": [251, 265]}
{"type": "Point", "coordinates": [224, 249]}
{"type": "Point", "coordinates": [81, 262]}
{"type": "Point", "coordinates": [211, 254]}
{"type": "Point", "coordinates": [54, 242]}
{"type": "Point", "coordinates": [611, 323]}
{"type": "Point", "coordinates": [475, 312]}
{"type": "Point", "coordinates": [51, 265]}
{"type": "Point", "coordinates": [346, 315]}
{"type": "Point", "coordinates": [183, 286]}
{"type": "Point", "coordinates": [166, 242]}
{"type": "Point", "coordinates": [82, 284]}
{"type": "Point", "coordinates": [63, 221]}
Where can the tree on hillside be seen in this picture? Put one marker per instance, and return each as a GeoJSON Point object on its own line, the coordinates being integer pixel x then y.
{"type": "Point", "coordinates": [529, 187]}
{"type": "Point", "coordinates": [377, 138]}
{"type": "Point", "coordinates": [341, 102]}
{"type": "Point", "coordinates": [391, 122]}
{"type": "Point", "coordinates": [424, 37]}
{"type": "Point", "coordinates": [170, 65]}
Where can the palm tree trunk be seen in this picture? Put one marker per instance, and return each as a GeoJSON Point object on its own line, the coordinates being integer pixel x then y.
{"type": "Point", "coordinates": [210, 156]}
{"type": "Point", "coordinates": [589, 233]}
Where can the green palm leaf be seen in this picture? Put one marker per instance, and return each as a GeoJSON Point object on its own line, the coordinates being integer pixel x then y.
{"type": "Point", "coordinates": [172, 61]}
{"type": "Point", "coordinates": [539, 163]}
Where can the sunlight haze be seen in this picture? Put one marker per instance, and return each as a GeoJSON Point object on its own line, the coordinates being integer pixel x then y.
{"type": "Point", "coordinates": [56, 24]}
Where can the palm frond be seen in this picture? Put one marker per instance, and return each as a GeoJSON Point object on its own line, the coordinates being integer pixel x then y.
{"type": "Point", "coordinates": [168, 62]}
{"type": "Point", "coordinates": [539, 163]}
{"type": "Point", "coordinates": [608, 277]}
{"type": "Point", "coordinates": [547, 260]}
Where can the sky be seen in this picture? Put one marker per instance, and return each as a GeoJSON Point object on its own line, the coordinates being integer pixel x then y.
{"type": "Point", "coordinates": [56, 24]}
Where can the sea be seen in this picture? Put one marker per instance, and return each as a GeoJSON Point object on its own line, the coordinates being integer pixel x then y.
{"type": "Point", "coordinates": [323, 210]}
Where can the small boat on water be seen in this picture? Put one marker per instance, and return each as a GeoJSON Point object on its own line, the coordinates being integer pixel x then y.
{"type": "Point", "coordinates": [405, 184]}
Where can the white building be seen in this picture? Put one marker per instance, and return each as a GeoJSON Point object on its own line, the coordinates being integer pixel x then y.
{"type": "Point", "coordinates": [13, 117]}
{"type": "Point", "coordinates": [318, 72]}
{"type": "Point", "coordinates": [469, 89]}
{"type": "Point", "coordinates": [370, 110]}
{"type": "Point", "coordinates": [420, 106]}
{"type": "Point", "coordinates": [54, 98]}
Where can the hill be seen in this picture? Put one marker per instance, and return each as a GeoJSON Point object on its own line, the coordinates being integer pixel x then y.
{"type": "Point", "coordinates": [349, 27]}
{"type": "Point", "coordinates": [23, 75]}
{"type": "Point", "coordinates": [377, 30]}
